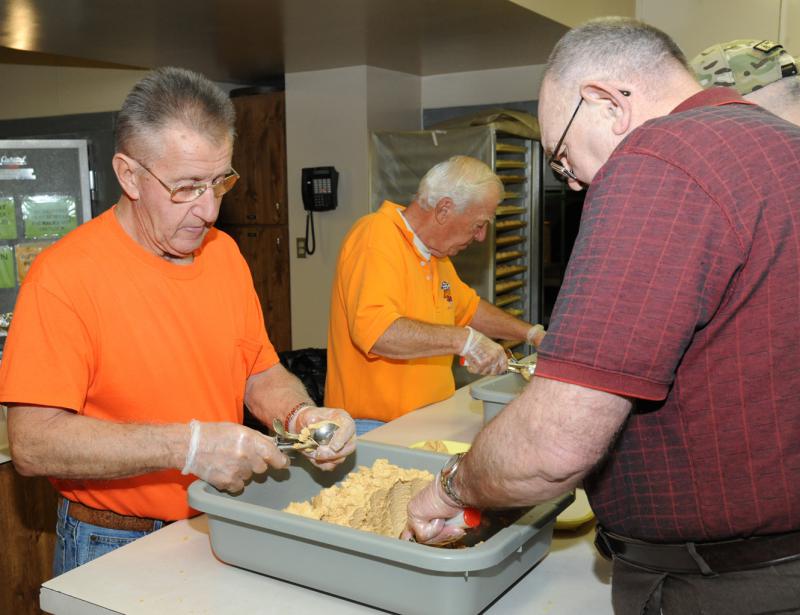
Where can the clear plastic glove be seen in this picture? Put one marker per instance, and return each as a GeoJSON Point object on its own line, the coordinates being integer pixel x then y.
{"type": "Point", "coordinates": [427, 513]}
{"type": "Point", "coordinates": [535, 335]}
{"type": "Point", "coordinates": [226, 455]}
{"type": "Point", "coordinates": [482, 355]}
{"type": "Point", "coordinates": [343, 443]}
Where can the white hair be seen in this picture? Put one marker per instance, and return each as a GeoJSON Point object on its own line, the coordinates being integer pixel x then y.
{"type": "Point", "coordinates": [463, 179]}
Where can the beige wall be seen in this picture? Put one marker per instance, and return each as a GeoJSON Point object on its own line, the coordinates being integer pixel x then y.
{"type": "Point", "coordinates": [481, 87]}
{"type": "Point", "coordinates": [329, 115]}
{"type": "Point", "coordinates": [575, 12]}
{"type": "Point", "coordinates": [393, 100]}
{"type": "Point", "coordinates": [36, 91]}
{"type": "Point", "coordinates": [696, 25]}
{"type": "Point", "coordinates": [790, 26]}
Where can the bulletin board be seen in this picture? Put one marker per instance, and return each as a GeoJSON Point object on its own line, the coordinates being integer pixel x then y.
{"type": "Point", "coordinates": [44, 194]}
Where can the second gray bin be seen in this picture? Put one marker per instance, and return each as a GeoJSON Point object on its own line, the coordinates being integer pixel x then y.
{"type": "Point", "coordinates": [496, 392]}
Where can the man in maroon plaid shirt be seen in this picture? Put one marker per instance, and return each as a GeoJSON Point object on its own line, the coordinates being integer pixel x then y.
{"type": "Point", "coordinates": [669, 380]}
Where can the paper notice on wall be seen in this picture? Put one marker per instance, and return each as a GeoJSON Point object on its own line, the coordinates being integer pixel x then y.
{"type": "Point", "coordinates": [48, 215]}
{"type": "Point", "coordinates": [7, 278]}
{"type": "Point", "coordinates": [25, 253]}
{"type": "Point", "coordinates": [15, 167]}
{"type": "Point", "coordinates": [8, 218]}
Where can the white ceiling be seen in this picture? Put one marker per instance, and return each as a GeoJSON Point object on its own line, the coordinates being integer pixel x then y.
{"type": "Point", "coordinates": [249, 41]}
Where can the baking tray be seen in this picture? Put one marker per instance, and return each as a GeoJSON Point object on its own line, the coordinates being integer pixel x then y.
{"type": "Point", "coordinates": [251, 531]}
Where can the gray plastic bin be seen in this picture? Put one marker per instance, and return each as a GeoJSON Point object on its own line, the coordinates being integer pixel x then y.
{"type": "Point", "coordinates": [496, 391]}
{"type": "Point", "coordinates": [251, 531]}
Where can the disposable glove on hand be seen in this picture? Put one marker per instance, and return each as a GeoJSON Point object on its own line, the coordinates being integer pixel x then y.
{"type": "Point", "coordinates": [427, 513]}
{"type": "Point", "coordinates": [226, 455]}
{"type": "Point", "coordinates": [482, 355]}
{"type": "Point", "coordinates": [341, 445]}
{"type": "Point", "coordinates": [535, 335]}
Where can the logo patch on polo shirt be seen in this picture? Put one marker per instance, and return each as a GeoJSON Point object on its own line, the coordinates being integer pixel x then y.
{"type": "Point", "coordinates": [446, 292]}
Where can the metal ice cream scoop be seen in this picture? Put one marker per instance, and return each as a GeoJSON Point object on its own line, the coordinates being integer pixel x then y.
{"type": "Point", "coordinates": [320, 435]}
{"type": "Point", "coordinates": [525, 370]}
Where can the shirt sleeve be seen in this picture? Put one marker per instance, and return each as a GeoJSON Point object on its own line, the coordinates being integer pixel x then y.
{"type": "Point", "coordinates": [48, 355]}
{"type": "Point", "coordinates": [654, 259]}
{"type": "Point", "coordinates": [374, 293]}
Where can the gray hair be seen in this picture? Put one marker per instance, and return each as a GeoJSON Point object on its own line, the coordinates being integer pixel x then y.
{"type": "Point", "coordinates": [614, 49]}
{"type": "Point", "coordinates": [169, 96]}
{"type": "Point", "coordinates": [464, 179]}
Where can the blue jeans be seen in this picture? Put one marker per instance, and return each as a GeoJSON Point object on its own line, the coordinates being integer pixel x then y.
{"type": "Point", "coordinates": [78, 542]}
{"type": "Point", "coordinates": [365, 425]}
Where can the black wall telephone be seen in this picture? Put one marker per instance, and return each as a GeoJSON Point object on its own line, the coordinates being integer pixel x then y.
{"type": "Point", "coordinates": [319, 194]}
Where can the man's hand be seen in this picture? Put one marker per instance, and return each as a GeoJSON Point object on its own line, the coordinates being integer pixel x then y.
{"type": "Point", "coordinates": [482, 355]}
{"type": "Point", "coordinates": [341, 445]}
{"type": "Point", "coordinates": [427, 513]}
{"type": "Point", "coordinates": [226, 455]}
{"type": "Point", "coordinates": [535, 335]}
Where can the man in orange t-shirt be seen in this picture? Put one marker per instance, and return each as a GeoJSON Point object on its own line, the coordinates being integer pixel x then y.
{"type": "Point", "coordinates": [138, 337]}
{"type": "Point", "coordinates": [399, 311]}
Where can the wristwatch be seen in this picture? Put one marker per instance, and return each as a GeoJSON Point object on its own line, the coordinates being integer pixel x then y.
{"type": "Point", "coordinates": [446, 476]}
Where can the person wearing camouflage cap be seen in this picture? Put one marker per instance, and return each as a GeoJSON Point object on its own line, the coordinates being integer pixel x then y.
{"type": "Point", "coordinates": [761, 70]}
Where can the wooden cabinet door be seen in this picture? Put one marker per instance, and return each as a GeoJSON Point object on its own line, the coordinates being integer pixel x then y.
{"type": "Point", "coordinates": [266, 250]}
{"type": "Point", "coordinates": [259, 155]}
{"type": "Point", "coordinates": [28, 531]}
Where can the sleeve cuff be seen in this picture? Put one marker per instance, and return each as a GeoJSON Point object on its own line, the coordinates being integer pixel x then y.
{"type": "Point", "coordinates": [470, 312]}
{"type": "Point", "coordinates": [602, 380]}
{"type": "Point", "coordinates": [366, 340]}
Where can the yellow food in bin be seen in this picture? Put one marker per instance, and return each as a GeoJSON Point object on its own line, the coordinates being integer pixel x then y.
{"type": "Point", "coordinates": [573, 517]}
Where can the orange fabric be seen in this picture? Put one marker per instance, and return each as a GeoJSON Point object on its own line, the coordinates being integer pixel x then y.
{"type": "Point", "coordinates": [108, 330]}
{"type": "Point", "coordinates": [380, 277]}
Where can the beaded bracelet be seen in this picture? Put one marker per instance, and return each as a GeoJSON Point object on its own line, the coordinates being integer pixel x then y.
{"type": "Point", "coordinates": [294, 411]}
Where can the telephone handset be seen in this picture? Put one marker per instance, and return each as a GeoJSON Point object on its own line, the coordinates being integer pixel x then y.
{"type": "Point", "coordinates": [319, 194]}
{"type": "Point", "coordinates": [319, 188]}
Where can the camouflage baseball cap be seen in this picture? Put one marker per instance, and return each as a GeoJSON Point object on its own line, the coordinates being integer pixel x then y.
{"type": "Point", "coordinates": [745, 64]}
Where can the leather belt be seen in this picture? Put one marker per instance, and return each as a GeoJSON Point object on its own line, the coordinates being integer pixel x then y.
{"type": "Point", "coordinates": [110, 519]}
{"type": "Point", "coordinates": [706, 558]}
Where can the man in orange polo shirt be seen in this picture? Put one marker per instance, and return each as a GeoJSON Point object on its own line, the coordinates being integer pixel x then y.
{"type": "Point", "coordinates": [137, 338]}
{"type": "Point", "coordinates": [399, 311]}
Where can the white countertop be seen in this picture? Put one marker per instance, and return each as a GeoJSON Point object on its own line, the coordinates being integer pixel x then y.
{"type": "Point", "coordinates": [174, 570]}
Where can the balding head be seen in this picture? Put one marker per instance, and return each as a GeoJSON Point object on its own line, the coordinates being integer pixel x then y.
{"type": "Point", "coordinates": [614, 74]}
{"type": "Point", "coordinates": [616, 49]}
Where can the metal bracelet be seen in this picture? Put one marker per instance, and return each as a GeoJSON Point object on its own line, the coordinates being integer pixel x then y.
{"type": "Point", "coordinates": [446, 479]}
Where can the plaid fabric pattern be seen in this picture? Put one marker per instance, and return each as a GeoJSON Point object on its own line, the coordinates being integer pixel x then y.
{"type": "Point", "coordinates": [683, 291]}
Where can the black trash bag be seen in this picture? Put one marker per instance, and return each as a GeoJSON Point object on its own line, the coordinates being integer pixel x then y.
{"type": "Point", "coordinates": [310, 365]}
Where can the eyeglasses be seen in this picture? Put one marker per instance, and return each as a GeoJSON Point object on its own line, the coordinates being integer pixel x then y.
{"type": "Point", "coordinates": [556, 164]}
{"type": "Point", "coordinates": [191, 192]}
